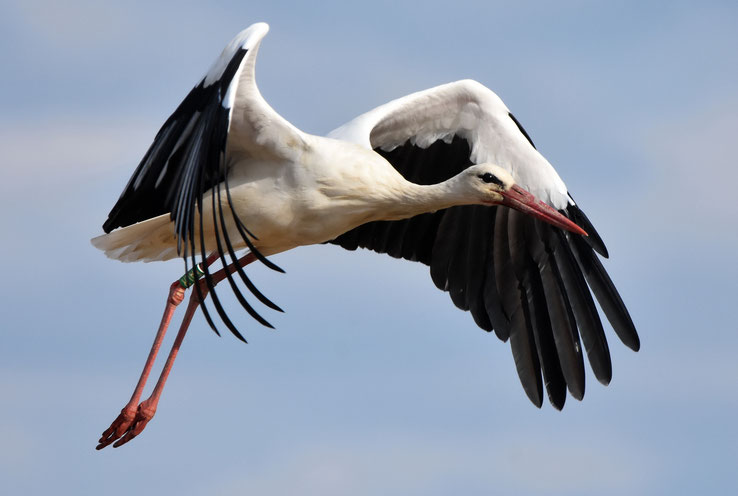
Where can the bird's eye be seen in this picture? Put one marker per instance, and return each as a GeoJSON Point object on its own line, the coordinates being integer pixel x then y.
{"type": "Point", "coordinates": [488, 177]}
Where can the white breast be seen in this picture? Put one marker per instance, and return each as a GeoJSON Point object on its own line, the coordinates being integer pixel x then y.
{"type": "Point", "coordinates": [333, 188]}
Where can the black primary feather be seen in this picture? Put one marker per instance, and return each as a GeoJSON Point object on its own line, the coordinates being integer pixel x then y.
{"type": "Point", "coordinates": [563, 322]}
{"type": "Point", "coordinates": [515, 307]}
{"type": "Point", "coordinates": [169, 174]}
{"type": "Point", "coordinates": [521, 129]}
{"type": "Point", "coordinates": [522, 239]}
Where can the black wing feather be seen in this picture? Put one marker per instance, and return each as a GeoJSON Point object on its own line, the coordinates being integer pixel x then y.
{"type": "Point", "coordinates": [480, 237]}
{"type": "Point", "coordinates": [563, 322]}
{"type": "Point", "coordinates": [520, 277]}
{"type": "Point", "coordinates": [515, 308]}
{"type": "Point", "coordinates": [534, 301]}
{"type": "Point", "coordinates": [593, 239]}
{"type": "Point", "coordinates": [521, 129]}
{"type": "Point", "coordinates": [190, 140]}
{"type": "Point", "coordinates": [458, 269]}
{"type": "Point", "coordinates": [606, 294]}
{"type": "Point", "coordinates": [583, 308]}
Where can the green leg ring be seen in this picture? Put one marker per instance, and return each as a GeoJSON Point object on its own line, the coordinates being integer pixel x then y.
{"type": "Point", "coordinates": [191, 276]}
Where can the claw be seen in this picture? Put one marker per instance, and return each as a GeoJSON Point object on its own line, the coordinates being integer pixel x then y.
{"type": "Point", "coordinates": [128, 425]}
{"type": "Point", "coordinates": [119, 427]}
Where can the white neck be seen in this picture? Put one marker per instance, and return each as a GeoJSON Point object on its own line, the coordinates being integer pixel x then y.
{"type": "Point", "coordinates": [408, 199]}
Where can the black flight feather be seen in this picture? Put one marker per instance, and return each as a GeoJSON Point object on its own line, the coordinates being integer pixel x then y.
{"type": "Point", "coordinates": [583, 308]}
{"type": "Point", "coordinates": [521, 129]}
{"type": "Point", "coordinates": [593, 238]}
{"type": "Point", "coordinates": [606, 294]}
{"type": "Point", "coordinates": [534, 304]}
{"type": "Point", "coordinates": [515, 306]}
{"type": "Point", "coordinates": [563, 322]}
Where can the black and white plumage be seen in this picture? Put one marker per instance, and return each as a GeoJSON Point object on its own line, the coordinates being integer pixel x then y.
{"type": "Point", "coordinates": [413, 178]}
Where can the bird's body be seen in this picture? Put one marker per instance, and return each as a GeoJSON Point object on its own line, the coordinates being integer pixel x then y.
{"type": "Point", "coordinates": [332, 187]}
{"type": "Point", "coordinates": [445, 176]}
{"type": "Point", "coordinates": [328, 188]}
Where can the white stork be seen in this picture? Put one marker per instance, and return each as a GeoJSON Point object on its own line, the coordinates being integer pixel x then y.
{"type": "Point", "coordinates": [447, 177]}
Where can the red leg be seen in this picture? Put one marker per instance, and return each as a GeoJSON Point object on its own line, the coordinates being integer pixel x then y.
{"type": "Point", "coordinates": [121, 424]}
{"type": "Point", "coordinates": [147, 408]}
{"type": "Point", "coordinates": [132, 420]}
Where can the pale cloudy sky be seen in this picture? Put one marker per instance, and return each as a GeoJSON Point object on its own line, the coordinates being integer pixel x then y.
{"type": "Point", "coordinates": [373, 383]}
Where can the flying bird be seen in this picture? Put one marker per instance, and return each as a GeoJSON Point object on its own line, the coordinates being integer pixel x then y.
{"type": "Point", "coordinates": [446, 177]}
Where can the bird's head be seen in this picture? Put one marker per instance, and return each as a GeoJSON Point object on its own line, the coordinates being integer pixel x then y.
{"type": "Point", "coordinates": [493, 185]}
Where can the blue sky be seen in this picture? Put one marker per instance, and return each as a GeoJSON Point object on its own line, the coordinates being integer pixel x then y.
{"type": "Point", "coordinates": [373, 382]}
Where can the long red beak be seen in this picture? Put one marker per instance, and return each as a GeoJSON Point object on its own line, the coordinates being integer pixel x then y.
{"type": "Point", "coordinates": [519, 199]}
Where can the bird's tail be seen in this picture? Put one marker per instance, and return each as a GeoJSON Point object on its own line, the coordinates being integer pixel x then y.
{"type": "Point", "coordinates": [148, 241]}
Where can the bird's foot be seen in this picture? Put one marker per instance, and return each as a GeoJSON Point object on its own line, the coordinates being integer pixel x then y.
{"type": "Point", "coordinates": [129, 424]}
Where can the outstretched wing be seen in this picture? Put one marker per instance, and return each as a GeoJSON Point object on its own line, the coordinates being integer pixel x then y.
{"type": "Point", "coordinates": [524, 279]}
{"type": "Point", "coordinates": [221, 121]}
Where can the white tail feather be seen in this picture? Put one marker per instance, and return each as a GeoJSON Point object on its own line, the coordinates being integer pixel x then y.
{"type": "Point", "coordinates": [148, 241]}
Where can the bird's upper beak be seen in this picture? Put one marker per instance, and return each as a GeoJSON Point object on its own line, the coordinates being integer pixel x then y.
{"type": "Point", "coordinates": [519, 199]}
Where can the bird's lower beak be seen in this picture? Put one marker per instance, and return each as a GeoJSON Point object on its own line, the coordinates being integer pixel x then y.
{"type": "Point", "coordinates": [519, 199]}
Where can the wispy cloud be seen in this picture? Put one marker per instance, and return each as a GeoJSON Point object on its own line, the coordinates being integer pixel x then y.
{"type": "Point", "coordinates": [691, 188]}
{"type": "Point", "coordinates": [409, 465]}
{"type": "Point", "coordinates": [65, 27]}
{"type": "Point", "coordinates": [57, 151]}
